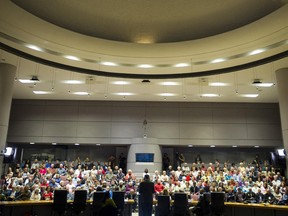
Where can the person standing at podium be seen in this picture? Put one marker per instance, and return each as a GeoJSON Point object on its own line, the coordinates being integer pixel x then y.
{"type": "Point", "coordinates": [146, 191]}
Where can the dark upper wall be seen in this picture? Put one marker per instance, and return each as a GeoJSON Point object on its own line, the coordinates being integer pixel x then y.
{"type": "Point", "coordinates": [106, 122]}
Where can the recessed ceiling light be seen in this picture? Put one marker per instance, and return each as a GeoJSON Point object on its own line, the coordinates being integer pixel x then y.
{"type": "Point", "coordinates": [218, 60]}
{"type": "Point", "coordinates": [33, 47]}
{"type": "Point", "coordinates": [124, 93]}
{"type": "Point", "coordinates": [144, 39]}
{"type": "Point", "coordinates": [32, 143]}
{"type": "Point", "coordinates": [73, 82]}
{"type": "Point", "coordinates": [250, 95]}
{"type": "Point", "coordinates": [210, 95]}
{"type": "Point", "coordinates": [145, 66]}
{"type": "Point", "coordinates": [212, 146]}
{"type": "Point", "coordinates": [26, 81]}
{"type": "Point", "coordinates": [217, 84]}
{"type": "Point", "coordinates": [257, 51]}
{"type": "Point", "coordinates": [77, 144]}
{"type": "Point", "coordinates": [109, 63]}
{"type": "Point", "coordinates": [182, 65]}
{"type": "Point", "coordinates": [42, 92]}
{"type": "Point", "coordinates": [169, 83]}
{"type": "Point", "coordinates": [81, 93]}
{"type": "Point", "coordinates": [166, 94]}
{"type": "Point", "coordinates": [74, 58]}
{"type": "Point", "coordinates": [120, 82]}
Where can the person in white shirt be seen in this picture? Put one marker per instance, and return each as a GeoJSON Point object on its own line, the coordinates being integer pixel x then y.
{"type": "Point", "coordinates": [186, 168]}
{"type": "Point", "coordinates": [35, 195]}
{"type": "Point", "coordinates": [178, 171]}
{"type": "Point", "coordinates": [276, 182]}
{"type": "Point", "coordinates": [164, 177]}
{"type": "Point", "coordinates": [78, 170]}
{"type": "Point", "coordinates": [35, 164]}
{"type": "Point", "coordinates": [156, 176]}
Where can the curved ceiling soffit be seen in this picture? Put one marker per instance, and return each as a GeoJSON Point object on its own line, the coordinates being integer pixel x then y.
{"type": "Point", "coordinates": [191, 74]}
{"type": "Point", "coordinates": [240, 66]}
{"type": "Point", "coordinates": [142, 20]}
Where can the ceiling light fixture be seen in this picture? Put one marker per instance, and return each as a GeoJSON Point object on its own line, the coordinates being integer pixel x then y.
{"type": "Point", "coordinates": [109, 64]}
{"type": "Point", "coordinates": [166, 94]}
{"type": "Point", "coordinates": [33, 47]}
{"type": "Point", "coordinates": [217, 84]}
{"type": "Point", "coordinates": [35, 79]}
{"type": "Point", "coordinates": [265, 84]}
{"type": "Point", "coordinates": [250, 95]}
{"type": "Point", "coordinates": [26, 81]}
{"type": "Point", "coordinates": [145, 66]}
{"type": "Point", "coordinates": [218, 60]}
{"type": "Point", "coordinates": [169, 83]}
{"type": "Point", "coordinates": [81, 93]}
{"type": "Point", "coordinates": [73, 82]}
{"type": "Point", "coordinates": [182, 65]}
{"type": "Point", "coordinates": [124, 93]}
{"type": "Point", "coordinates": [42, 92]}
{"type": "Point", "coordinates": [210, 95]}
{"type": "Point", "coordinates": [257, 82]}
{"type": "Point", "coordinates": [255, 52]}
{"type": "Point", "coordinates": [74, 58]}
{"type": "Point", "coordinates": [120, 83]}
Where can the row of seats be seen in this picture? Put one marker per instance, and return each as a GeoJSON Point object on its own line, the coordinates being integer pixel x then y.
{"type": "Point", "coordinates": [80, 198]}
{"type": "Point", "coordinates": [213, 202]}
{"type": "Point", "coordinates": [209, 204]}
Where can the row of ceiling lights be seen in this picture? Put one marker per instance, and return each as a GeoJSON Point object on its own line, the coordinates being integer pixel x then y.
{"type": "Point", "coordinates": [147, 66]}
{"type": "Point", "coordinates": [98, 144]}
{"type": "Point", "coordinates": [256, 83]}
{"type": "Point", "coordinates": [54, 143]}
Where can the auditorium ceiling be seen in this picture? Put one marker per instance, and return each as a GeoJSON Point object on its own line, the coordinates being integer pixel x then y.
{"type": "Point", "coordinates": [144, 50]}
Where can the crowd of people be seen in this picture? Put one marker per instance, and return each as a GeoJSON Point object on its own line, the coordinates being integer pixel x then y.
{"type": "Point", "coordinates": [253, 182]}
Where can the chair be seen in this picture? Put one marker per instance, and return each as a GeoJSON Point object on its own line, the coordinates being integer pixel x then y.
{"type": "Point", "coordinates": [163, 205]}
{"type": "Point", "coordinates": [118, 198]}
{"type": "Point", "coordinates": [79, 203]}
{"type": "Point", "coordinates": [203, 206]}
{"type": "Point", "coordinates": [180, 206]}
{"type": "Point", "coordinates": [217, 203]}
{"type": "Point", "coordinates": [59, 201]}
{"type": "Point", "coordinates": [98, 197]}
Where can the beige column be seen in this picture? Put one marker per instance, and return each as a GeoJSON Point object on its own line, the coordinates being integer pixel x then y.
{"type": "Point", "coordinates": [7, 74]}
{"type": "Point", "coordinates": [282, 83]}
{"type": "Point", "coordinates": [144, 145]}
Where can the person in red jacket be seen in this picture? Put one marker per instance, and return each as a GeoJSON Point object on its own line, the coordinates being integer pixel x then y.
{"type": "Point", "coordinates": [158, 187]}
